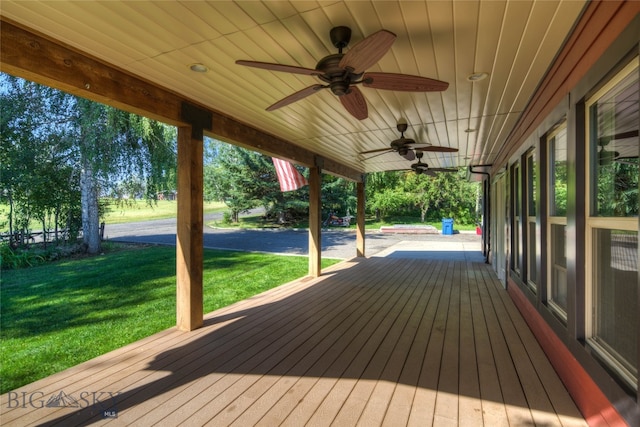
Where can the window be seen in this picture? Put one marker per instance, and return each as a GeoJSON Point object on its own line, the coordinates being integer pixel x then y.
{"type": "Point", "coordinates": [516, 250]}
{"type": "Point", "coordinates": [532, 276]}
{"type": "Point", "coordinates": [612, 224]}
{"type": "Point", "coordinates": [557, 222]}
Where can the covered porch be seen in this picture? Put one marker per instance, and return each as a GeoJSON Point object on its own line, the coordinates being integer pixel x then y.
{"type": "Point", "coordinates": [373, 341]}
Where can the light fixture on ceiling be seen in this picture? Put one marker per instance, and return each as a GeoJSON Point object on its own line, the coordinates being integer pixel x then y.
{"type": "Point", "coordinates": [476, 77]}
{"type": "Point", "coordinates": [469, 130]}
{"type": "Point", "coordinates": [198, 68]}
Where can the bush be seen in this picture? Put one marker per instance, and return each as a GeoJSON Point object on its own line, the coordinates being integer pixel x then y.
{"type": "Point", "coordinates": [29, 256]}
{"type": "Point", "coordinates": [17, 258]}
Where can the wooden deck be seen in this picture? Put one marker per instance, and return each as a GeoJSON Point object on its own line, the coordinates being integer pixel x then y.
{"type": "Point", "coordinates": [377, 341]}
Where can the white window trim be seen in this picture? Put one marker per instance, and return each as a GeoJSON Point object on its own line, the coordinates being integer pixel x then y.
{"type": "Point", "coordinates": [531, 156]}
{"type": "Point", "coordinates": [553, 220]}
{"type": "Point", "coordinates": [610, 223]}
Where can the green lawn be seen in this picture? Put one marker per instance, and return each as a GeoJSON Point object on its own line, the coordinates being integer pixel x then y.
{"type": "Point", "coordinates": [57, 315]}
{"type": "Point", "coordinates": [140, 210]}
{"type": "Point", "coordinates": [256, 221]}
{"type": "Point", "coordinates": [134, 210]}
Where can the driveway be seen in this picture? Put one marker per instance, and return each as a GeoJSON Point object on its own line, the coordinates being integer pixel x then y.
{"type": "Point", "coordinates": [336, 243]}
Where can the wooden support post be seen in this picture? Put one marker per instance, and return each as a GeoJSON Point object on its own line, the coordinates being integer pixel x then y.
{"type": "Point", "coordinates": [189, 237]}
{"type": "Point", "coordinates": [315, 219]}
{"type": "Point", "coordinates": [360, 234]}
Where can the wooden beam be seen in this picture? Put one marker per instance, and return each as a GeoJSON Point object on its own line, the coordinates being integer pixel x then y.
{"type": "Point", "coordinates": [230, 130]}
{"type": "Point", "coordinates": [189, 237]}
{"type": "Point", "coordinates": [315, 236]}
{"type": "Point", "coordinates": [234, 132]}
{"type": "Point", "coordinates": [360, 211]}
{"type": "Point", "coordinates": [32, 56]}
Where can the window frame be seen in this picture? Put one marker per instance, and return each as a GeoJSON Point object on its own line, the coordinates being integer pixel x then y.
{"type": "Point", "coordinates": [516, 221]}
{"type": "Point", "coordinates": [531, 197]}
{"type": "Point", "coordinates": [557, 309]}
{"type": "Point", "coordinates": [594, 223]}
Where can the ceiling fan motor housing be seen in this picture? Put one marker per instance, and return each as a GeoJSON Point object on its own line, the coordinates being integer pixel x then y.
{"type": "Point", "coordinates": [402, 143]}
{"type": "Point", "coordinates": [338, 78]}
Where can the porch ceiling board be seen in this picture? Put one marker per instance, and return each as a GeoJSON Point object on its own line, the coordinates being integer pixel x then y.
{"type": "Point", "coordinates": [377, 340]}
{"type": "Point", "coordinates": [156, 42]}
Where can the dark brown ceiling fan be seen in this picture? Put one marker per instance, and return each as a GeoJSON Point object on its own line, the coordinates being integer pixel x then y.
{"type": "Point", "coordinates": [422, 168]}
{"type": "Point", "coordinates": [342, 72]}
{"type": "Point", "coordinates": [606, 157]}
{"type": "Point", "coordinates": [406, 146]}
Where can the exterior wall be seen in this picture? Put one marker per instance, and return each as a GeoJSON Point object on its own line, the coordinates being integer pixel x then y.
{"type": "Point", "coordinates": [562, 322]}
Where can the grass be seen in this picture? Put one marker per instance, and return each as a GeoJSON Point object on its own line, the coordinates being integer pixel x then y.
{"type": "Point", "coordinates": [57, 315]}
{"type": "Point", "coordinates": [132, 211]}
{"type": "Point", "coordinates": [140, 210]}
{"type": "Point", "coordinates": [372, 224]}
{"type": "Point", "coordinates": [256, 221]}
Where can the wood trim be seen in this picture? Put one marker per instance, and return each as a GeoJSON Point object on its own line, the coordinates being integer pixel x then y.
{"type": "Point", "coordinates": [315, 236]}
{"type": "Point", "coordinates": [600, 24]}
{"type": "Point", "coordinates": [26, 54]}
{"type": "Point", "coordinates": [594, 405]}
{"type": "Point", "coordinates": [189, 233]}
{"type": "Point", "coordinates": [360, 219]}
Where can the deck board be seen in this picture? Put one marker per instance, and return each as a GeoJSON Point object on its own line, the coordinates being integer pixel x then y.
{"type": "Point", "coordinates": [378, 341]}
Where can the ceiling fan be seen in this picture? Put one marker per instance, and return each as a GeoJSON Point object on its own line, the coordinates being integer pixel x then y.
{"type": "Point", "coordinates": [342, 72]}
{"type": "Point", "coordinates": [422, 168]}
{"type": "Point", "coordinates": [406, 146]}
{"type": "Point", "coordinates": [606, 157]}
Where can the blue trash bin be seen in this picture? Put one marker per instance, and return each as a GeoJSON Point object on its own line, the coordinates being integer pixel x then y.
{"type": "Point", "coordinates": [447, 226]}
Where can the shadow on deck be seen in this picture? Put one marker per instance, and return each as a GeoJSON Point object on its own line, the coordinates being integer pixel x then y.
{"type": "Point", "coordinates": [373, 341]}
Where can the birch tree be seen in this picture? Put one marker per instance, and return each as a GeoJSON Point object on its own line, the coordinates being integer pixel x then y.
{"type": "Point", "coordinates": [98, 145]}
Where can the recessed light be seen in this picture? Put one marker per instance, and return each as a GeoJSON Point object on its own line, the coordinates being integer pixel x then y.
{"type": "Point", "coordinates": [476, 77]}
{"type": "Point", "coordinates": [469, 130]}
{"type": "Point", "coordinates": [198, 68]}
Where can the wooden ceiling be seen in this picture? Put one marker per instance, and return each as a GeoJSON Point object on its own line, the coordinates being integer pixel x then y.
{"type": "Point", "coordinates": [514, 42]}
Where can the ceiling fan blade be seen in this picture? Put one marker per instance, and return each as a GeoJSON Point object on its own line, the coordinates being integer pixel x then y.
{"type": "Point", "coordinates": [417, 145]}
{"type": "Point", "coordinates": [279, 67]}
{"type": "Point", "coordinates": [380, 153]}
{"type": "Point", "coordinates": [443, 170]}
{"type": "Point", "coordinates": [368, 51]}
{"type": "Point", "coordinates": [355, 103]}
{"type": "Point", "coordinates": [295, 97]}
{"type": "Point", "coordinates": [411, 155]}
{"type": "Point", "coordinates": [402, 82]}
{"type": "Point", "coordinates": [377, 150]}
{"type": "Point", "coordinates": [437, 149]}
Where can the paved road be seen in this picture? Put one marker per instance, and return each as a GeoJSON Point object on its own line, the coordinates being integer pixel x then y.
{"type": "Point", "coordinates": [336, 243]}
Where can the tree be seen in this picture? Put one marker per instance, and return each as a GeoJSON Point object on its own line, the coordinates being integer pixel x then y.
{"type": "Point", "coordinates": [445, 195]}
{"type": "Point", "coordinates": [53, 142]}
{"type": "Point", "coordinates": [424, 192]}
{"type": "Point", "coordinates": [36, 166]}
{"type": "Point", "coordinates": [244, 179]}
{"type": "Point", "coordinates": [381, 192]}
{"type": "Point", "coordinates": [338, 194]}
{"type": "Point", "coordinates": [240, 178]}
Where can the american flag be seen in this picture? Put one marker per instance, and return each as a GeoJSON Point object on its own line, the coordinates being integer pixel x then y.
{"type": "Point", "coordinates": [288, 176]}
